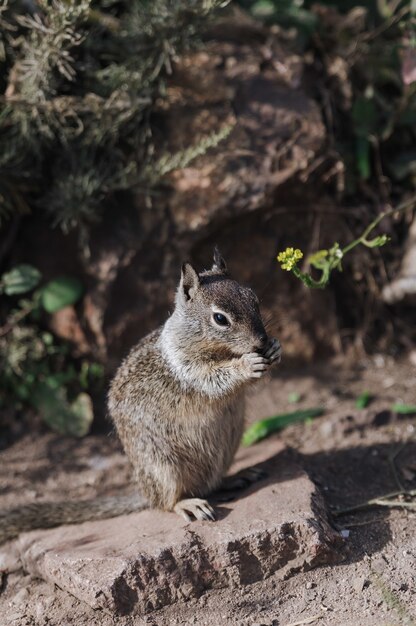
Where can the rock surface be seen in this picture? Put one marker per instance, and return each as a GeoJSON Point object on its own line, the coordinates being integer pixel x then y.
{"type": "Point", "coordinates": [141, 562]}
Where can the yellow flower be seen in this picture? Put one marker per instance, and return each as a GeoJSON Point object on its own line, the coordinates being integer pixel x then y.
{"type": "Point", "coordinates": [289, 258]}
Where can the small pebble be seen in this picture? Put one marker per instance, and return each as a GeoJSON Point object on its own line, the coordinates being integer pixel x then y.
{"type": "Point", "coordinates": [20, 597]}
{"type": "Point", "coordinates": [359, 583]}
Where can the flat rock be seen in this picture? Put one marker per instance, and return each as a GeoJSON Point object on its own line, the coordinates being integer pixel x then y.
{"type": "Point", "coordinates": [144, 561]}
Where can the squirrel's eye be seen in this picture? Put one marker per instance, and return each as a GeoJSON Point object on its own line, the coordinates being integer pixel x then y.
{"type": "Point", "coordinates": [220, 319]}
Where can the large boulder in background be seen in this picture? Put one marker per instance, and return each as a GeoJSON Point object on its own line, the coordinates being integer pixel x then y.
{"type": "Point", "coordinates": [251, 195]}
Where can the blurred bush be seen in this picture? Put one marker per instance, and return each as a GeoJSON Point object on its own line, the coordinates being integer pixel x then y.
{"type": "Point", "coordinates": [35, 368]}
{"type": "Point", "coordinates": [78, 81]}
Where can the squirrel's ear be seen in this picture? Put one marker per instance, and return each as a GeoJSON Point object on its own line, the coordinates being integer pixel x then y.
{"type": "Point", "coordinates": [189, 281]}
{"type": "Point", "coordinates": [219, 263]}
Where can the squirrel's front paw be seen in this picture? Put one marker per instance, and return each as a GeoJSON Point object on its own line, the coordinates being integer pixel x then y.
{"type": "Point", "coordinates": [273, 351]}
{"type": "Point", "coordinates": [254, 364]}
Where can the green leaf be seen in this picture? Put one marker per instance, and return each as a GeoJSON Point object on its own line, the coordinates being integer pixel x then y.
{"type": "Point", "coordinates": [20, 279]}
{"type": "Point", "coordinates": [377, 242]}
{"type": "Point", "coordinates": [62, 416]}
{"type": "Point", "coordinates": [404, 409]}
{"type": "Point", "coordinates": [294, 397]}
{"type": "Point", "coordinates": [90, 373]}
{"type": "Point", "coordinates": [61, 292]}
{"type": "Point", "coordinates": [364, 115]}
{"type": "Point", "coordinates": [261, 429]}
{"type": "Point", "coordinates": [363, 400]}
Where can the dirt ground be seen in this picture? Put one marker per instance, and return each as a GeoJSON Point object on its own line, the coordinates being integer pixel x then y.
{"type": "Point", "coordinates": [352, 454]}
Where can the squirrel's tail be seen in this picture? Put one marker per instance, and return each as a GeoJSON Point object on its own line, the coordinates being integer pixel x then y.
{"type": "Point", "coordinates": [50, 514]}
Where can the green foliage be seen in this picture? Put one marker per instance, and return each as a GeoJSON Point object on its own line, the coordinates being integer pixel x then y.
{"type": "Point", "coordinates": [169, 162]}
{"type": "Point", "coordinates": [19, 280]}
{"type": "Point", "coordinates": [363, 400]}
{"type": "Point", "coordinates": [60, 293]}
{"type": "Point", "coordinates": [37, 370]}
{"type": "Point", "coordinates": [326, 261]}
{"type": "Point", "coordinates": [68, 418]}
{"type": "Point", "coordinates": [404, 409]}
{"type": "Point", "coordinates": [54, 295]}
{"type": "Point", "coordinates": [263, 428]}
{"type": "Point", "coordinates": [79, 81]}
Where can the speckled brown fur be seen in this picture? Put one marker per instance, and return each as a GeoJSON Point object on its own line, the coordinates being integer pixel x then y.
{"type": "Point", "coordinates": [178, 399]}
{"type": "Point", "coordinates": [173, 435]}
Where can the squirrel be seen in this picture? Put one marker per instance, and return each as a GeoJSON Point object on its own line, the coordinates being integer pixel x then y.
{"type": "Point", "coordinates": [177, 402]}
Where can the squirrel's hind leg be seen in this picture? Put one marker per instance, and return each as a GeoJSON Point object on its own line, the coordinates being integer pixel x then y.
{"type": "Point", "coordinates": [195, 508]}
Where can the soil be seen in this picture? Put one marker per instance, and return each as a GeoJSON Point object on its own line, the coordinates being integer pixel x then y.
{"type": "Point", "coordinates": [352, 454]}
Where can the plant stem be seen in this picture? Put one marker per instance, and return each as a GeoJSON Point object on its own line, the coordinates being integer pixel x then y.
{"type": "Point", "coordinates": [380, 501]}
{"type": "Point", "coordinates": [309, 281]}
{"type": "Point", "coordinates": [363, 237]}
{"type": "Point", "coordinates": [334, 263]}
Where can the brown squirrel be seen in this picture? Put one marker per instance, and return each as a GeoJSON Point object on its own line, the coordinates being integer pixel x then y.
{"type": "Point", "coordinates": [177, 402]}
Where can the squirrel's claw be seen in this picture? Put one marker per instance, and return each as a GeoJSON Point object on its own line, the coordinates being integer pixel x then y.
{"type": "Point", "coordinates": [195, 508]}
{"type": "Point", "coordinates": [273, 351]}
